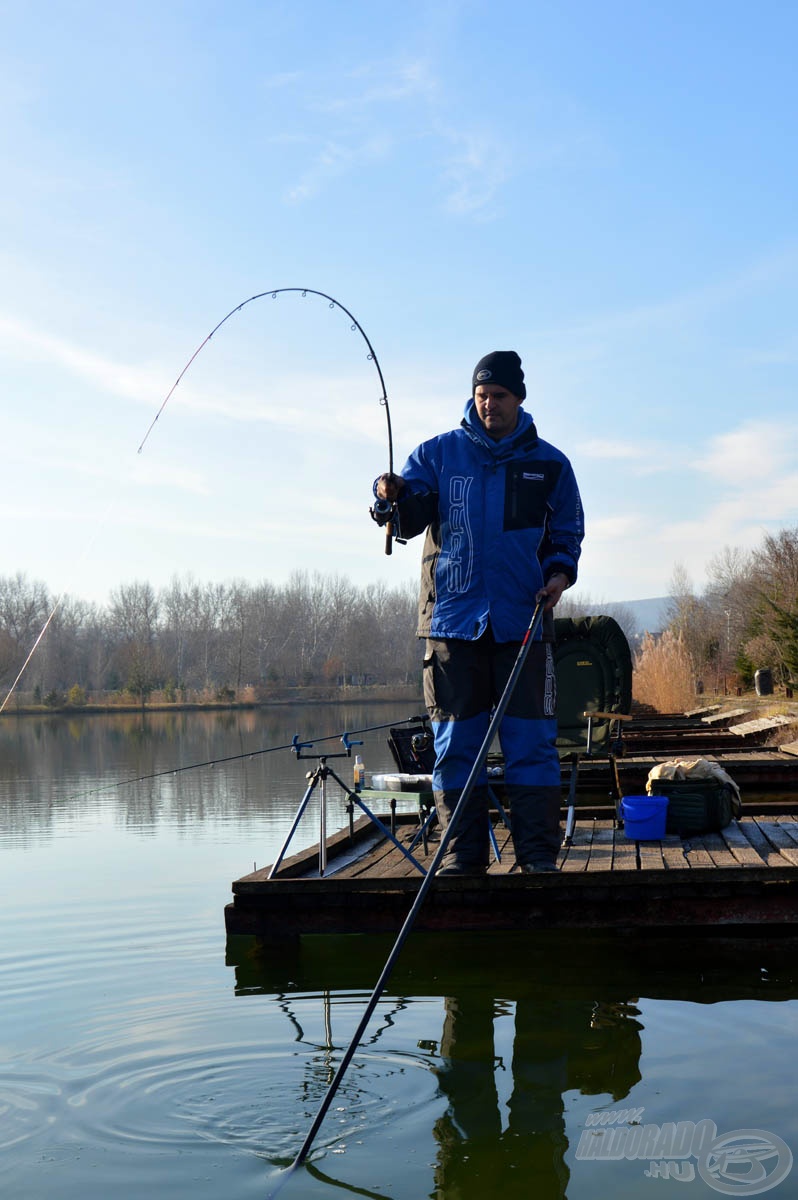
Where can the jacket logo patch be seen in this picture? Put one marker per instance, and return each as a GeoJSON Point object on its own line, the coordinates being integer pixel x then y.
{"type": "Point", "coordinates": [537, 476]}
{"type": "Point", "coordinates": [458, 567]}
{"type": "Point", "coordinates": [550, 687]}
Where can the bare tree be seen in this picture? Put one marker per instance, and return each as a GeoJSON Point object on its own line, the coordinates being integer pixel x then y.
{"type": "Point", "coordinates": [134, 617]}
{"type": "Point", "coordinates": [774, 624]}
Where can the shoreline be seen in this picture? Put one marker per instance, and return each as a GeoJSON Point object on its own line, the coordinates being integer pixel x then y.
{"type": "Point", "coordinates": [309, 696]}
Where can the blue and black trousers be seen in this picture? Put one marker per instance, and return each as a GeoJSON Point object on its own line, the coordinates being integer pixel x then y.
{"type": "Point", "coordinates": [463, 682]}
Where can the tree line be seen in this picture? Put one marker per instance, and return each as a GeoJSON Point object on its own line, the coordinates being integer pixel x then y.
{"type": "Point", "coordinates": [191, 640]}
{"type": "Point", "coordinates": [245, 641]}
{"type": "Point", "coordinates": [746, 617]}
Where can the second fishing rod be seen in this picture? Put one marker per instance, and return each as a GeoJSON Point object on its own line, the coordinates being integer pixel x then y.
{"type": "Point", "coordinates": [426, 883]}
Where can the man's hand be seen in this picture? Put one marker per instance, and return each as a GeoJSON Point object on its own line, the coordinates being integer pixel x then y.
{"type": "Point", "coordinates": [553, 590]}
{"type": "Point", "coordinates": [389, 486]}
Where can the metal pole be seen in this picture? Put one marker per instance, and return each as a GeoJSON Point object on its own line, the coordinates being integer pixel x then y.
{"type": "Point", "coordinates": [323, 820]}
{"type": "Point", "coordinates": [570, 819]}
{"type": "Point", "coordinates": [303, 805]}
{"type": "Point", "coordinates": [426, 883]}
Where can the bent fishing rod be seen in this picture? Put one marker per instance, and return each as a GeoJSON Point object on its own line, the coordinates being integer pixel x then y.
{"type": "Point", "coordinates": [426, 884]}
{"type": "Point", "coordinates": [382, 511]}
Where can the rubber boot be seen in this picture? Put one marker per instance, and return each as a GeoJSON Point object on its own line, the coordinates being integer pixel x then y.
{"type": "Point", "coordinates": [468, 848]}
{"type": "Point", "coordinates": [535, 822]}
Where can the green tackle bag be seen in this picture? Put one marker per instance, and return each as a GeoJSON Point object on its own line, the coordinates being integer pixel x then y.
{"type": "Point", "coordinates": [697, 806]}
{"type": "Point", "coordinates": [593, 663]}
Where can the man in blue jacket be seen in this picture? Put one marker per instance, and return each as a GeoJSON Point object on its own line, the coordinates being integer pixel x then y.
{"type": "Point", "coordinates": [504, 526]}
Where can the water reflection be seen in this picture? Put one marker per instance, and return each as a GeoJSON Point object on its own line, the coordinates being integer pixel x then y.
{"type": "Point", "coordinates": [130, 1050]}
{"type": "Point", "coordinates": [474, 1148]}
{"type": "Point", "coordinates": [523, 1026]}
{"type": "Point", "coordinates": [135, 763]}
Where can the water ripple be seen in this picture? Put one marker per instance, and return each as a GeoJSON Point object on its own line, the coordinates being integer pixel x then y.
{"type": "Point", "coordinates": [133, 1086]}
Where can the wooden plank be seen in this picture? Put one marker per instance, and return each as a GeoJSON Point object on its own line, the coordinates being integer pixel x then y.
{"type": "Point", "coordinates": [771, 856]}
{"type": "Point", "coordinates": [504, 841]}
{"type": "Point", "coordinates": [651, 856]}
{"type": "Point", "coordinates": [378, 861]}
{"type": "Point", "coordinates": [751, 769]}
{"type": "Point", "coordinates": [718, 850]}
{"type": "Point", "coordinates": [386, 861]}
{"type": "Point", "coordinates": [760, 725]}
{"type": "Point", "coordinates": [577, 854]}
{"type": "Point", "coordinates": [740, 847]}
{"type": "Point", "coordinates": [725, 717]}
{"type": "Point", "coordinates": [506, 849]}
{"type": "Point", "coordinates": [697, 853]}
{"type": "Point", "coordinates": [625, 857]}
{"type": "Point", "coordinates": [779, 838]}
{"type": "Point", "coordinates": [601, 848]}
{"type": "Point", "coordinates": [390, 865]}
{"type": "Point", "coordinates": [790, 827]}
{"type": "Point", "coordinates": [673, 853]}
{"type": "Point", "coordinates": [642, 762]}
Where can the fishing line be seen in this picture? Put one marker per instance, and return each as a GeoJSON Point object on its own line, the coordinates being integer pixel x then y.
{"type": "Point", "coordinates": [248, 754]}
{"type": "Point", "coordinates": [31, 652]}
{"type": "Point", "coordinates": [59, 600]}
{"type": "Point", "coordinates": [274, 293]}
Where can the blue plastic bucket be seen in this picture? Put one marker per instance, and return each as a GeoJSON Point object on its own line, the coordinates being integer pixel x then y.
{"type": "Point", "coordinates": [644, 817]}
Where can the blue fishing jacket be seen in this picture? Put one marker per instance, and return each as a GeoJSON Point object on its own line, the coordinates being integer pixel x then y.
{"type": "Point", "coordinates": [501, 518]}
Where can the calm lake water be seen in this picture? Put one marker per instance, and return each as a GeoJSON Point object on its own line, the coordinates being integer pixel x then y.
{"type": "Point", "coordinates": [142, 1056]}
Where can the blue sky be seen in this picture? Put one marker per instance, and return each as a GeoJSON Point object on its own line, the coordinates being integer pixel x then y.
{"type": "Point", "coordinates": [609, 188]}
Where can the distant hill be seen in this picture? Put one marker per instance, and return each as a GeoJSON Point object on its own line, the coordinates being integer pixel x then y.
{"type": "Point", "coordinates": [650, 616]}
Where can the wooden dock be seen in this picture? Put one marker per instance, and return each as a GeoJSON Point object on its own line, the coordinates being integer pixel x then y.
{"type": "Point", "coordinates": [744, 878]}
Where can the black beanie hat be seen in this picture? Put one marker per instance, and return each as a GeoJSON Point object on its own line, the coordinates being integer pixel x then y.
{"type": "Point", "coordinates": [502, 367]}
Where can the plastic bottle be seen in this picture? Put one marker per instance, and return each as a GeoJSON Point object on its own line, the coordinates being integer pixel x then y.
{"type": "Point", "coordinates": [360, 773]}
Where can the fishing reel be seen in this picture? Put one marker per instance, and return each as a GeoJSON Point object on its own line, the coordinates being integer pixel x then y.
{"type": "Point", "coordinates": [420, 742]}
{"type": "Point", "coordinates": [382, 511]}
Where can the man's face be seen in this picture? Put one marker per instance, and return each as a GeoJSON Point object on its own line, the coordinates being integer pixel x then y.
{"type": "Point", "coordinates": [497, 409]}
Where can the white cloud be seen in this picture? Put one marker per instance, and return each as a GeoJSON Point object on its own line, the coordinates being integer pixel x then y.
{"type": "Point", "coordinates": [397, 84]}
{"type": "Point", "coordinates": [765, 447]}
{"type": "Point", "coordinates": [474, 172]}
{"type": "Point", "coordinates": [742, 515]}
{"type": "Point", "coordinates": [742, 484]}
{"type": "Point", "coordinates": [342, 393]}
{"type": "Point", "coordinates": [336, 158]}
{"type": "Point", "coordinates": [19, 340]}
{"type": "Point", "coordinates": [680, 310]}
{"type": "Point", "coordinates": [610, 529]}
{"type": "Point", "coordinates": [472, 163]}
{"type": "Point", "coordinates": [629, 460]}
